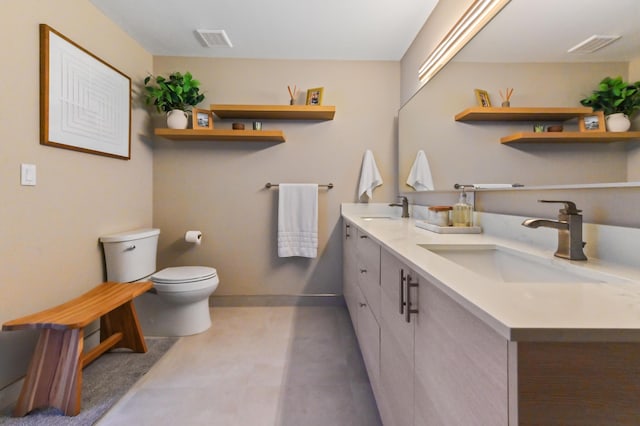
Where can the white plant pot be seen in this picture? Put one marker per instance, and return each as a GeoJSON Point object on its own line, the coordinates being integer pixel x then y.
{"type": "Point", "coordinates": [177, 119]}
{"type": "Point", "coordinates": [618, 122]}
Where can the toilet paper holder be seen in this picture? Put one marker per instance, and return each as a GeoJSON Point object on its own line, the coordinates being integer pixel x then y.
{"type": "Point", "coordinates": [194, 237]}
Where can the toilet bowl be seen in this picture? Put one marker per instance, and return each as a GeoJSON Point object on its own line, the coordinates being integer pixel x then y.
{"type": "Point", "coordinates": [178, 304]}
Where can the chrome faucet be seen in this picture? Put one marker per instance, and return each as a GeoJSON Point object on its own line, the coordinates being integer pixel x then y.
{"type": "Point", "coordinates": [404, 205]}
{"type": "Point", "coordinates": [569, 226]}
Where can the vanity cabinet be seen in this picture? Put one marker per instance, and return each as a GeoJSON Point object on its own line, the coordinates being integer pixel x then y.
{"type": "Point", "coordinates": [398, 284]}
{"type": "Point", "coordinates": [361, 282]}
{"type": "Point", "coordinates": [460, 365]}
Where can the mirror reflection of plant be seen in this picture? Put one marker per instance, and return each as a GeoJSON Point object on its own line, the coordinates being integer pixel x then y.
{"type": "Point", "coordinates": [614, 95]}
{"type": "Point", "coordinates": [178, 91]}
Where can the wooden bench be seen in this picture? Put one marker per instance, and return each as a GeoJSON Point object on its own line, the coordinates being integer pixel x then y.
{"type": "Point", "coordinates": [54, 377]}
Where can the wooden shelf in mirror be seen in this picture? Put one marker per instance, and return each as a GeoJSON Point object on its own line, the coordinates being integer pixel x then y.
{"type": "Point", "coordinates": [570, 137]}
{"type": "Point", "coordinates": [222, 135]}
{"type": "Point", "coordinates": [275, 112]}
{"type": "Point", "coordinates": [521, 114]}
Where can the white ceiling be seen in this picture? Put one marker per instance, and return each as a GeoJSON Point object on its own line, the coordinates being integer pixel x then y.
{"type": "Point", "coordinates": [274, 29]}
{"type": "Point", "coordinates": [543, 31]}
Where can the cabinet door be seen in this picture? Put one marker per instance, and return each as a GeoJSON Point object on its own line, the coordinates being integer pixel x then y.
{"type": "Point", "coordinates": [396, 342]}
{"type": "Point", "coordinates": [369, 339]}
{"type": "Point", "coordinates": [460, 365]}
{"type": "Point", "coordinates": [350, 271]}
{"type": "Point", "coordinates": [369, 271]}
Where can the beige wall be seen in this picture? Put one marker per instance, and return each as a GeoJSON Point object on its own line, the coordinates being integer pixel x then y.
{"type": "Point", "coordinates": [49, 245]}
{"type": "Point", "coordinates": [218, 187]}
{"type": "Point", "coordinates": [440, 21]}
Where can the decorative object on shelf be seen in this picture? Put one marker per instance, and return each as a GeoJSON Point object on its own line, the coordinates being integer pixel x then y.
{"type": "Point", "coordinates": [201, 119]}
{"type": "Point", "coordinates": [292, 94]}
{"type": "Point", "coordinates": [506, 98]}
{"type": "Point", "coordinates": [538, 128]}
{"type": "Point", "coordinates": [615, 96]}
{"type": "Point", "coordinates": [178, 92]}
{"type": "Point", "coordinates": [482, 97]}
{"type": "Point", "coordinates": [237, 126]}
{"type": "Point", "coordinates": [177, 119]}
{"type": "Point", "coordinates": [257, 125]}
{"type": "Point", "coordinates": [555, 128]}
{"type": "Point", "coordinates": [70, 118]}
{"type": "Point", "coordinates": [592, 122]}
{"type": "Point", "coordinates": [314, 96]}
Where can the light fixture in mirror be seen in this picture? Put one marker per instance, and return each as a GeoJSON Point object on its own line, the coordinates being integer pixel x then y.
{"type": "Point", "coordinates": [473, 20]}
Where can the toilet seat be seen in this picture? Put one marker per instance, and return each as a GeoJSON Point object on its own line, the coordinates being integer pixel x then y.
{"type": "Point", "coordinates": [184, 278]}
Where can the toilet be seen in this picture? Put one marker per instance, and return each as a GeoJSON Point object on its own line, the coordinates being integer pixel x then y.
{"type": "Point", "coordinates": [178, 304]}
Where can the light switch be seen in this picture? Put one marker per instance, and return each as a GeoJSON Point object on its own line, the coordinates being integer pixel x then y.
{"type": "Point", "coordinates": [28, 174]}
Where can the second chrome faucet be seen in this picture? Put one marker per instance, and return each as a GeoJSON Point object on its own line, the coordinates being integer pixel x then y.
{"type": "Point", "coordinates": [569, 226]}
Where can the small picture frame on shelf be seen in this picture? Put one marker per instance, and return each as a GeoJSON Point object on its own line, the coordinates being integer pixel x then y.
{"type": "Point", "coordinates": [201, 119]}
{"type": "Point", "coordinates": [482, 96]}
{"type": "Point", "coordinates": [592, 122]}
{"type": "Point", "coordinates": [314, 96]}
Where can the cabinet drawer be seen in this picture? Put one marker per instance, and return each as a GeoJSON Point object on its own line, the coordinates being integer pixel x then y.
{"type": "Point", "coordinates": [368, 260]}
{"type": "Point", "coordinates": [369, 339]}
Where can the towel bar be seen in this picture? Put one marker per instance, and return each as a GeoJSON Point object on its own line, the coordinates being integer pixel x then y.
{"type": "Point", "coordinates": [270, 185]}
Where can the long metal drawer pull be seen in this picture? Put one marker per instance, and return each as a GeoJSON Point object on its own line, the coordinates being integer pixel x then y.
{"type": "Point", "coordinates": [347, 232]}
{"type": "Point", "coordinates": [363, 236]}
{"type": "Point", "coordinates": [410, 311]}
{"type": "Point", "coordinates": [402, 281]}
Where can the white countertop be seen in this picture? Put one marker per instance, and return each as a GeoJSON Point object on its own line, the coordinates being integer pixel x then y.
{"type": "Point", "coordinates": [529, 311]}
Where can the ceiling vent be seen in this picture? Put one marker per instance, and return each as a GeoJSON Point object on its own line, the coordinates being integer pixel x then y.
{"type": "Point", "coordinates": [593, 43]}
{"type": "Point", "coordinates": [214, 38]}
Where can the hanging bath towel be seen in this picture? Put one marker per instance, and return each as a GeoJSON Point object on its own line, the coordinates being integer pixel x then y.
{"type": "Point", "coordinates": [298, 220]}
{"type": "Point", "coordinates": [369, 175]}
{"type": "Point", "coordinates": [420, 175]}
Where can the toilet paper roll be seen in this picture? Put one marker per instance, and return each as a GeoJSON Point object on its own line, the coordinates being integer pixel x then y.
{"type": "Point", "coordinates": [193, 237]}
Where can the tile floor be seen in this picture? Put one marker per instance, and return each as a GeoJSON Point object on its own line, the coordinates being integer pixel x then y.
{"type": "Point", "coordinates": [276, 366]}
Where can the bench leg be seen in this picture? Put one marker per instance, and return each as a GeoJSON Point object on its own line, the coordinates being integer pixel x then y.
{"type": "Point", "coordinates": [123, 320]}
{"type": "Point", "coordinates": [54, 377]}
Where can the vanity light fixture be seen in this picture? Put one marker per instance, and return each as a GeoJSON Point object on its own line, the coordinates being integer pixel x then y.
{"type": "Point", "coordinates": [473, 20]}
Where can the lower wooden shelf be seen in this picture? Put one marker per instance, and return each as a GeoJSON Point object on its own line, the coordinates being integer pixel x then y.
{"type": "Point", "coordinates": [222, 135]}
{"type": "Point", "coordinates": [570, 137]}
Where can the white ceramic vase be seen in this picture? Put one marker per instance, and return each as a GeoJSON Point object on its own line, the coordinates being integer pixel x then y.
{"type": "Point", "coordinates": [618, 122]}
{"type": "Point", "coordinates": [177, 119]}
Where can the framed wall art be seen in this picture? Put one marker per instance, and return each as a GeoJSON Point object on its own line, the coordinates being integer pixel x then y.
{"type": "Point", "coordinates": [85, 103]}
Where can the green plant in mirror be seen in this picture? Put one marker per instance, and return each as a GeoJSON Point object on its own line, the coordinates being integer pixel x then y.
{"type": "Point", "coordinates": [178, 91]}
{"type": "Point", "coordinates": [614, 95]}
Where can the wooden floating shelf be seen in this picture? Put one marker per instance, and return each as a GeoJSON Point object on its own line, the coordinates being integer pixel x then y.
{"type": "Point", "coordinates": [222, 135]}
{"type": "Point", "coordinates": [275, 112]}
{"type": "Point", "coordinates": [570, 137]}
{"type": "Point", "coordinates": [521, 114]}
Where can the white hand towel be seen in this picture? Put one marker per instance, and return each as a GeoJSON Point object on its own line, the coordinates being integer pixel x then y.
{"type": "Point", "coordinates": [298, 220]}
{"type": "Point", "coordinates": [369, 175]}
{"type": "Point", "coordinates": [420, 175]}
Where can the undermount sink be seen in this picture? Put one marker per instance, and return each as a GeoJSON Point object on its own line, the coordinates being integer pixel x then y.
{"type": "Point", "coordinates": [503, 264]}
{"type": "Point", "coordinates": [379, 217]}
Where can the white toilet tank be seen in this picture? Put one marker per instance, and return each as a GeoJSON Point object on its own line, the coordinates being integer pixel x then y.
{"type": "Point", "coordinates": [130, 256]}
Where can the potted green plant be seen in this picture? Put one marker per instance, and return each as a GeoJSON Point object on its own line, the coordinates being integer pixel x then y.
{"type": "Point", "coordinates": [618, 100]}
{"type": "Point", "coordinates": [174, 96]}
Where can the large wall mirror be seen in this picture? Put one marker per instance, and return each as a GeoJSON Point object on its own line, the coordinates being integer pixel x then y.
{"type": "Point", "coordinates": [525, 48]}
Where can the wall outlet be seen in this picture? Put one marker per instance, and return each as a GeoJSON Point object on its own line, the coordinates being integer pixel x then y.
{"type": "Point", "coordinates": [28, 174]}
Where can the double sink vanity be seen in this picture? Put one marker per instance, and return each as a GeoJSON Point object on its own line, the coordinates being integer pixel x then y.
{"type": "Point", "coordinates": [492, 328]}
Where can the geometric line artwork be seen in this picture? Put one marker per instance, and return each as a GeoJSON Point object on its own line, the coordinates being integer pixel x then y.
{"type": "Point", "coordinates": [85, 103]}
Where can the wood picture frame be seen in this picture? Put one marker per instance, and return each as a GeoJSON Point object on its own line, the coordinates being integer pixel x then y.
{"type": "Point", "coordinates": [85, 103]}
{"type": "Point", "coordinates": [482, 97]}
{"type": "Point", "coordinates": [314, 96]}
{"type": "Point", "coordinates": [201, 119]}
{"type": "Point", "coordinates": [592, 122]}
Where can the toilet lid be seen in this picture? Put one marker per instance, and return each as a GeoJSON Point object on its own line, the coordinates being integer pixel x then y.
{"type": "Point", "coordinates": [183, 274]}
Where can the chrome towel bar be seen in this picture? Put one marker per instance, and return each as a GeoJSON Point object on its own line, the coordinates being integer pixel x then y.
{"type": "Point", "coordinates": [271, 185]}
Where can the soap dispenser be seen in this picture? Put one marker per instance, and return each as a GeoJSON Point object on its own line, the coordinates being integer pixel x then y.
{"type": "Point", "coordinates": [462, 211]}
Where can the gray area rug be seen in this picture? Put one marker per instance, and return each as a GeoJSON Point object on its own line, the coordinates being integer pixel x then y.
{"type": "Point", "coordinates": [105, 381]}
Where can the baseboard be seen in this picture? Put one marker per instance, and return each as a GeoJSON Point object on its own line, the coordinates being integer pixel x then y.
{"type": "Point", "coordinates": [278, 300]}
